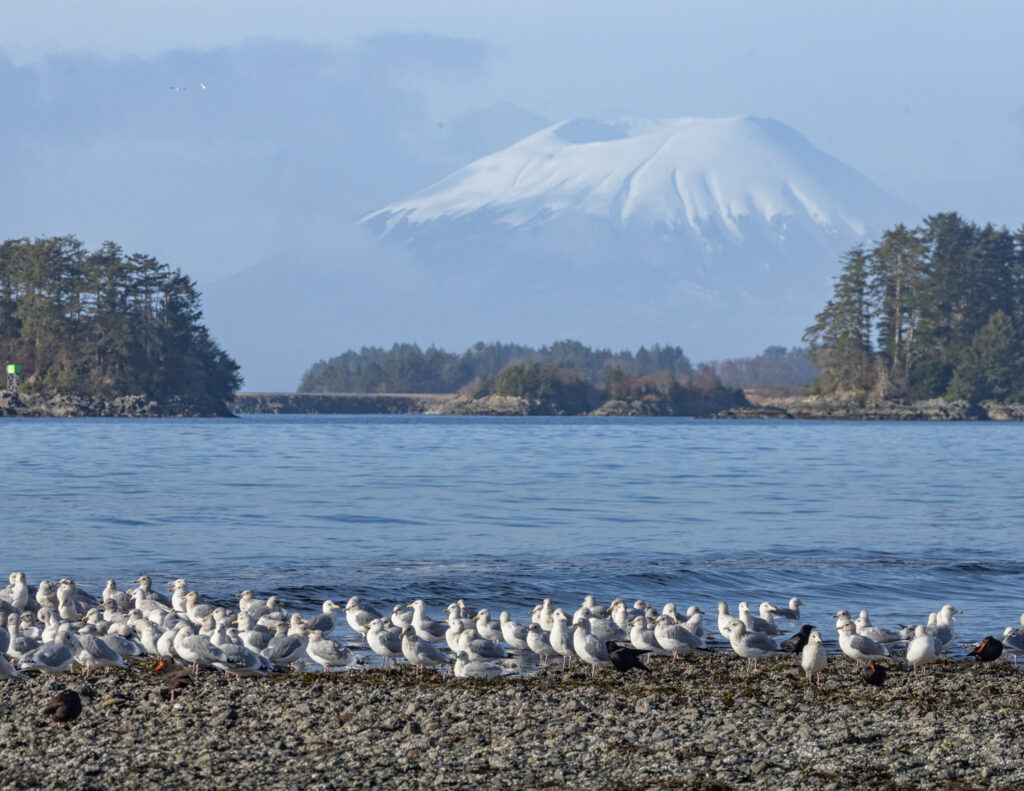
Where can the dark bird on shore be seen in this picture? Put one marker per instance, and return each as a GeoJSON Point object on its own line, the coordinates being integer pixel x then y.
{"type": "Point", "coordinates": [65, 707]}
{"type": "Point", "coordinates": [176, 677]}
{"type": "Point", "coordinates": [624, 658]}
{"type": "Point", "coordinates": [796, 643]}
{"type": "Point", "coordinates": [874, 675]}
{"type": "Point", "coordinates": [989, 650]}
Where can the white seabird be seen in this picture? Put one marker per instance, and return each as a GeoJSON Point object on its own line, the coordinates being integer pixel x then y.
{"type": "Point", "coordinates": [751, 645]}
{"type": "Point", "coordinates": [589, 647]}
{"type": "Point", "coordinates": [419, 652]}
{"type": "Point", "coordinates": [328, 653]}
{"type": "Point", "coordinates": [814, 657]}
{"type": "Point", "coordinates": [466, 668]}
{"type": "Point", "coordinates": [858, 647]}
{"type": "Point", "coordinates": [923, 649]}
{"type": "Point", "coordinates": [386, 643]}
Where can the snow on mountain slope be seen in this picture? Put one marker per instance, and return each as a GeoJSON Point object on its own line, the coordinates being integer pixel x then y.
{"type": "Point", "coordinates": [706, 179]}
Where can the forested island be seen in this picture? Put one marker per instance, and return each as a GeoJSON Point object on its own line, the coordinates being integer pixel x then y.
{"type": "Point", "coordinates": [926, 324]}
{"type": "Point", "coordinates": [565, 377]}
{"type": "Point", "coordinates": [106, 333]}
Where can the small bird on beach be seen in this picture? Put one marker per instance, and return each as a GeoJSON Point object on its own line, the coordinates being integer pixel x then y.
{"type": "Point", "coordinates": [923, 649]}
{"type": "Point", "coordinates": [751, 645]}
{"type": "Point", "coordinates": [858, 647]}
{"type": "Point", "coordinates": [66, 706]}
{"type": "Point", "coordinates": [874, 675]}
{"type": "Point", "coordinates": [176, 677]}
{"type": "Point", "coordinates": [989, 650]}
{"type": "Point", "coordinates": [797, 642]}
{"type": "Point", "coordinates": [813, 657]}
{"type": "Point", "coordinates": [624, 658]}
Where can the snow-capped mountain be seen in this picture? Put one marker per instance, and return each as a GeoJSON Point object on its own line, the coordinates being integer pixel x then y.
{"type": "Point", "coordinates": [719, 235]}
{"type": "Point", "coordinates": [715, 181]}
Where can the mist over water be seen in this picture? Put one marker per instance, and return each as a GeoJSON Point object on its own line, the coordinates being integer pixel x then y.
{"type": "Point", "coordinates": [895, 518]}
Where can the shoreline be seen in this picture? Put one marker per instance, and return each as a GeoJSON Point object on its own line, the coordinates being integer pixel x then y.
{"type": "Point", "coordinates": [700, 723]}
{"type": "Point", "coordinates": [800, 408]}
{"type": "Point", "coordinates": [63, 405]}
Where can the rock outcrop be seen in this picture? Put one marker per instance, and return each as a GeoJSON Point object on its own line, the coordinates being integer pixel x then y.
{"type": "Point", "coordinates": [819, 408]}
{"type": "Point", "coordinates": [67, 405]}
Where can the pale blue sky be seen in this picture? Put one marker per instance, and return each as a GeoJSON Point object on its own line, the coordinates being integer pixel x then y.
{"type": "Point", "coordinates": [925, 98]}
{"type": "Point", "coordinates": [317, 112]}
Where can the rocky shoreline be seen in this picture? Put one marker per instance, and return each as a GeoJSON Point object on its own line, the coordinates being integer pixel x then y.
{"type": "Point", "coordinates": [699, 724]}
{"type": "Point", "coordinates": [490, 406]}
{"type": "Point", "coordinates": [818, 408]}
{"type": "Point", "coordinates": [65, 405]}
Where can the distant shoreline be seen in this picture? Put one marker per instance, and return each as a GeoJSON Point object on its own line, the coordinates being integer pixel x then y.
{"type": "Point", "coordinates": [21, 405]}
{"type": "Point", "coordinates": [449, 404]}
{"type": "Point", "coordinates": [803, 408]}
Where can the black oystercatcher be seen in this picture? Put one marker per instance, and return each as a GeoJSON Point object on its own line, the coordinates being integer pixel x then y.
{"type": "Point", "coordinates": [989, 650]}
{"type": "Point", "coordinates": [874, 675]}
{"type": "Point", "coordinates": [176, 677]}
{"type": "Point", "coordinates": [797, 642]}
{"type": "Point", "coordinates": [625, 658]}
{"type": "Point", "coordinates": [65, 707]}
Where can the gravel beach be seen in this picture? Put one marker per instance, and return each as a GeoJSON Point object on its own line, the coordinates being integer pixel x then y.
{"type": "Point", "coordinates": [700, 724]}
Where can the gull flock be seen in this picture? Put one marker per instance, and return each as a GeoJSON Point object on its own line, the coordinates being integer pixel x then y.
{"type": "Point", "coordinates": [54, 627]}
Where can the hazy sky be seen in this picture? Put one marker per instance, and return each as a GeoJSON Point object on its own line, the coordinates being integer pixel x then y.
{"type": "Point", "coordinates": [925, 98]}
{"type": "Point", "coordinates": [317, 112]}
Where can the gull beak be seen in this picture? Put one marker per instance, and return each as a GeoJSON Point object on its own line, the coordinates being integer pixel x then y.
{"type": "Point", "coordinates": [836, 615]}
{"type": "Point", "coordinates": [235, 623]}
{"type": "Point", "coordinates": [238, 595]}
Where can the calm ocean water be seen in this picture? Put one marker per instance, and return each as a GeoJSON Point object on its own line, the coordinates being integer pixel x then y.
{"type": "Point", "coordinates": [897, 518]}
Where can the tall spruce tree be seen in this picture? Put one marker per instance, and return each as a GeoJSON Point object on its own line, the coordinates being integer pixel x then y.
{"type": "Point", "coordinates": [839, 342]}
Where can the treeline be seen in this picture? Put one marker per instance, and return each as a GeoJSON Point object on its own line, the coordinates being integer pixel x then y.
{"type": "Point", "coordinates": [405, 368]}
{"type": "Point", "coordinates": [776, 368]}
{"type": "Point", "coordinates": [105, 324]}
{"type": "Point", "coordinates": [936, 310]}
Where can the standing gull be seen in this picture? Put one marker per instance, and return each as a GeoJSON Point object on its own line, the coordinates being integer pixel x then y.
{"type": "Point", "coordinates": [487, 628]}
{"type": "Point", "coordinates": [359, 615]}
{"type": "Point", "coordinates": [513, 633]}
{"type": "Point", "coordinates": [539, 642]}
{"type": "Point", "coordinates": [858, 647]}
{"type": "Point", "coordinates": [425, 628]}
{"type": "Point", "coordinates": [324, 621]}
{"type": "Point", "coordinates": [419, 652]}
{"type": "Point", "coordinates": [561, 637]}
{"type": "Point", "coordinates": [675, 638]}
{"type": "Point", "coordinates": [813, 657]}
{"type": "Point", "coordinates": [386, 643]}
{"type": "Point", "coordinates": [724, 619]}
{"type": "Point", "coordinates": [589, 648]}
{"type": "Point", "coordinates": [751, 645]}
